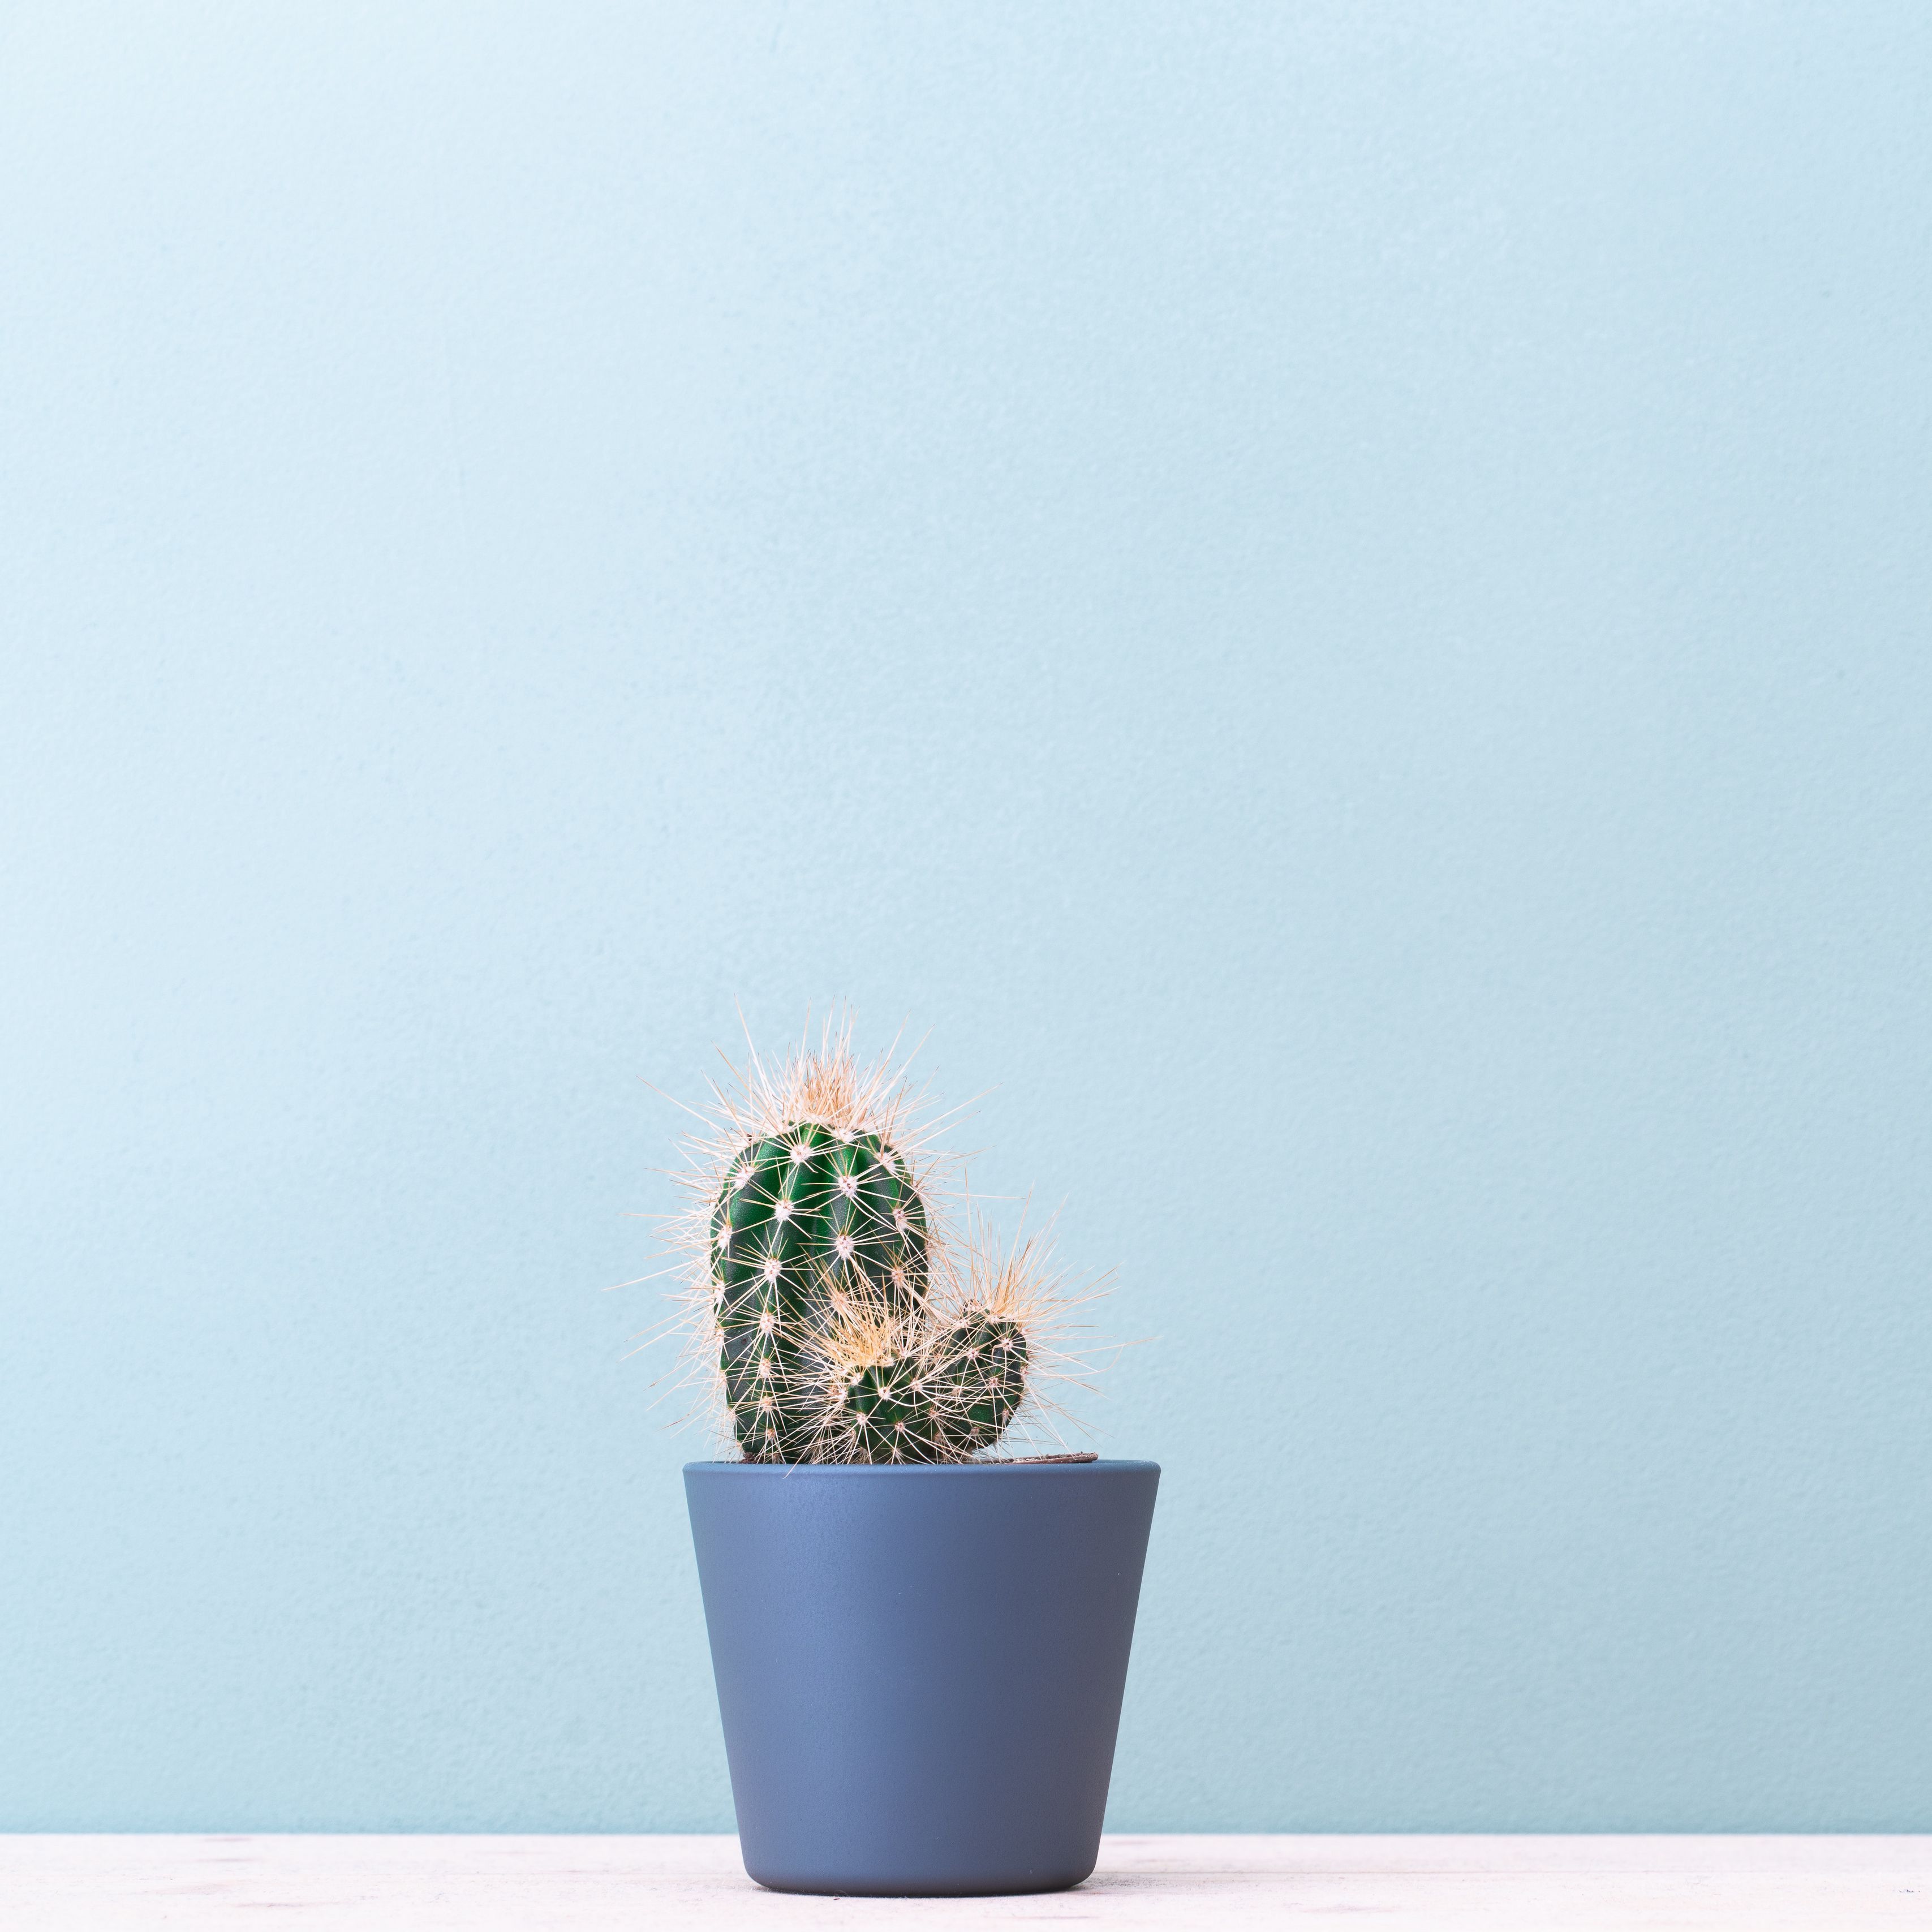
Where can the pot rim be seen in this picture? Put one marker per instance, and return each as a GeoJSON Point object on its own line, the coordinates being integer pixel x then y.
{"type": "Point", "coordinates": [769, 1470]}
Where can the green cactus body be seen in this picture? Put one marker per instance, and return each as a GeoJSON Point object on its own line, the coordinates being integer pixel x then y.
{"type": "Point", "coordinates": [976, 1372]}
{"type": "Point", "coordinates": [944, 1401]}
{"type": "Point", "coordinates": [810, 1223]}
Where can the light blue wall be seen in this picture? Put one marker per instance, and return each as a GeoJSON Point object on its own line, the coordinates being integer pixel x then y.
{"type": "Point", "coordinates": [1336, 597]}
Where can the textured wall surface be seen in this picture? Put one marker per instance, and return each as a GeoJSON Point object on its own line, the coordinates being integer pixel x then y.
{"type": "Point", "coordinates": [1336, 599]}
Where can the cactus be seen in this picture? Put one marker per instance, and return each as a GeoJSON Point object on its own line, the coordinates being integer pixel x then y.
{"type": "Point", "coordinates": [840, 1322]}
{"type": "Point", "coordinates": [944, 1401]}
{"type": "Point", "coordinates": [811, 1223]}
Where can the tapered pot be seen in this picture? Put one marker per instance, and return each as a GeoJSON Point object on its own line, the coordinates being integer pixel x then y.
{"type": "Point", "coordinates": [919, 1668]}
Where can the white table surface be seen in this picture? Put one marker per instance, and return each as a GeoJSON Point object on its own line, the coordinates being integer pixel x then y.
{"type": "Point", "coordinates": [425, 1884]}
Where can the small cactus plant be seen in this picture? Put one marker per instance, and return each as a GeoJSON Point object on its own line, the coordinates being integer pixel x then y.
{"type": "Point", "coordinates": [835, 1318]}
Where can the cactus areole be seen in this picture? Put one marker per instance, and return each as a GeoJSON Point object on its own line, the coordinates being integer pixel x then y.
{"type": "Point", "coordinates": [831, 1348]}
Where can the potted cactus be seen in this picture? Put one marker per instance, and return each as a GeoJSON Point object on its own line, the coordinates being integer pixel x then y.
{"type": "Point", "coordinates": [919, 1646]}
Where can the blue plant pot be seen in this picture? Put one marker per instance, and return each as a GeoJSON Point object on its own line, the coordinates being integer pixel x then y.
{"type": "Point", "coordinates": [919, 1668]}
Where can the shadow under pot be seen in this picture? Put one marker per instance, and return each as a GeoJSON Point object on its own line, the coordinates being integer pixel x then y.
{"type": "Point", "coordinates": [919, 1667]}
